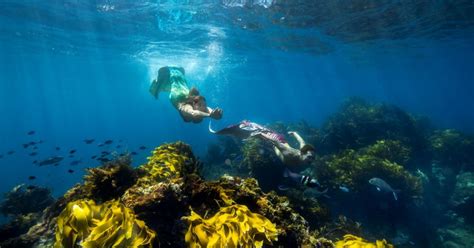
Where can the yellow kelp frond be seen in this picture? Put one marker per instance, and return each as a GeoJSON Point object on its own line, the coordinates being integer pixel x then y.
{"type": "Point", "coordinates": [85, 224]}
{"type": "Point", "coordinates": [352, 241]}
{"type": "Point", "coordinates": [233, 226]}
{"type": "Point", "coordinates": [75, 222]}
{"type": "Point", "coordinates": [169, 161]}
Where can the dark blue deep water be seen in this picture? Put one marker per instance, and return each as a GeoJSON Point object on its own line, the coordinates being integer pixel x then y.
{"type": "Point", "coordinates": [73, 70]}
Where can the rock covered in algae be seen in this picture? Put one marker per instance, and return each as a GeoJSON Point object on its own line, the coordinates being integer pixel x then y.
{"type": "Point", "coordinates": [453, 149]}
{"type": "Point", "coordinates": [85, 224]}
{"type": "Point", "coordinates": [169, 161]}
{"type": "Point", "coordinates": [18, 226]}
{"type": "Point", "coordinates": [165, 189]}
{"type": "Point", "coordinates": [462, 199]}
{"type": "Point", "coordinates": [23, 199]}
{"type": "Point", "coordinates": [110, 180]}
{"type": "Point", "coordinates": [359, 123]}
{"type": "Point", "coordinates": [353, 169]}
{"type": "Point", "coordinates": [232, 226]}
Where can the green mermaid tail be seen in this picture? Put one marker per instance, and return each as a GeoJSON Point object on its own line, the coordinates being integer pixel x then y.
{"type": "Point", "coordinates": [171, 79]}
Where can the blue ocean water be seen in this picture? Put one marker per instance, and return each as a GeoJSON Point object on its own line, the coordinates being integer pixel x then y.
{"type": "Point", "coordinates": [74, 70]}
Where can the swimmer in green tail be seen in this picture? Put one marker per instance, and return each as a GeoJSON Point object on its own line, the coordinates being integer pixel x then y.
{"type": "Point", "coordinates": [191, 105]}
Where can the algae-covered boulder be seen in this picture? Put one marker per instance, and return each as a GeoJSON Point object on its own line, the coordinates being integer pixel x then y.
{"type": "Point", "coordinates": [359, 123]}
{"type": "Point", "coordinates": [453, 149]}
{"type": "Point", "coordinates": [24, 199]}
{"type": "Point", "coordinates": [462, 199]}
{"type": "Point", "coordinates": [110, 180]}
{"type": "Point", "coordinates": [353, 169]}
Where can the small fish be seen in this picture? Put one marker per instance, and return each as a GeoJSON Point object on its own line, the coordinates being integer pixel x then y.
{"type": "Point", "coordinates": [89, 141]}
{"type": "Point", "coordinates": [72, 151]}
{"type": "Point", "coordinates": [302, 179]}
{"type": "Point", "coordinates": [75, 162]}
{"type": "Point", "coordinates": [32, 132]}
{"type": "Point", "coordinates": [35, 148]}
{"type": "Point", "coordinates": [105, 153]}
{"type": "Point", "coordinates": [122, 154]}
{"type": "Point", "coordinates": [100, 145]}
{"type": "Point", "coordinates": [25, 145]}
{"type": "Point", "coordinates": [142, 147]}
{"type": "Point", "coordinates": [228, 162]}
{"type": "Point", "coordinates": [134, 153]}
{"type": "Point", "coordinates": [70, 171]}
{"type": "Point", "coordinates": [52, 160]}
{"type": "Point", "coordinates": [71, 156]}
{"type": "Point", "coordinates": [58, 148]}
{"type": "Point", "coordinates": [108, 142]}
{"type": "Point", "coordinates": [343, 188]}
{"type": "Point", "coordinates": [35, 162]}
{"type": "Point", "coordinates": [31, 187]}
{"type": "Point", "coordinates": [10, 152]}
{"type": "Point", "coordinates": [31, 178]}
{"type": "Point", "coordinates": [1, 156]}
{"type": "Point", "coordinates": [118, 146]}
{"type": "Point", "coordinates": [93, 157]}
{"type": "Point", "coordinates": [32, 143]}
{"type": "Point", "coordinates": [33, 154]}
{"type": "Point", "coordinates": [383, 186]}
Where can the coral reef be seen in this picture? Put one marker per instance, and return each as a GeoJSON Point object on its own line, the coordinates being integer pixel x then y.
{"type": "Point", "coordinates": [85, 224]}
{"type": "Point", "coordinates": [352, 241]}
{"type": "Point", "coordinates": [232, 226]}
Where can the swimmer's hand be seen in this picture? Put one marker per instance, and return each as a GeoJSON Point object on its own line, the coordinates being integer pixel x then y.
{"type": "Point", "coordinates": [216, 113]}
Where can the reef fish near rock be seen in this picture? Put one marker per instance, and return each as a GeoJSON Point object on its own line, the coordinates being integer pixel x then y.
{"type": "Point", "coordinates": [51, 160]}
{"type": "Point", "coordinates": [383, 186]}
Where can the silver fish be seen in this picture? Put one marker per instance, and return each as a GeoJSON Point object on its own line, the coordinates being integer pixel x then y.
{"type": "Point", "coordinates": [51, 160]}
{"type": "Point", "coordinates": [383, 186]}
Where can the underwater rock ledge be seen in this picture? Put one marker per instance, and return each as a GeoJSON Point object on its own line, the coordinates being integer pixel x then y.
{"type": "Point", "coordinates": [165, 203]}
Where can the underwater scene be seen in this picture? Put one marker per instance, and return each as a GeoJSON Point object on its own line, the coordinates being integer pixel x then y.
{"type": "Point", "coordinates": [237, 123]}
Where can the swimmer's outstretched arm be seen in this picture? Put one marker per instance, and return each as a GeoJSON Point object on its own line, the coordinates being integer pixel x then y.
{"type": "Point", "coordinates": [298, 138]}
{"type": "Point", "coordinates": [188, 109]}
{"type": "Point", "coordinates": [193, 113]}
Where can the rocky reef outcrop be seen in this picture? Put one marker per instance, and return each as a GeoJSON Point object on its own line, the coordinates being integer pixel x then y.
{"type": "Point", "coordinates": [166, 203]}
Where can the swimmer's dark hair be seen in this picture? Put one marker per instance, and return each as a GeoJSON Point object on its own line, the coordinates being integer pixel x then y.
{"type": "Point", "coordinates": [194, 92]}
{"type": "Point", "coordinates": [164, 74]}
{"type": "Point", "coordinates": [306, 148]}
